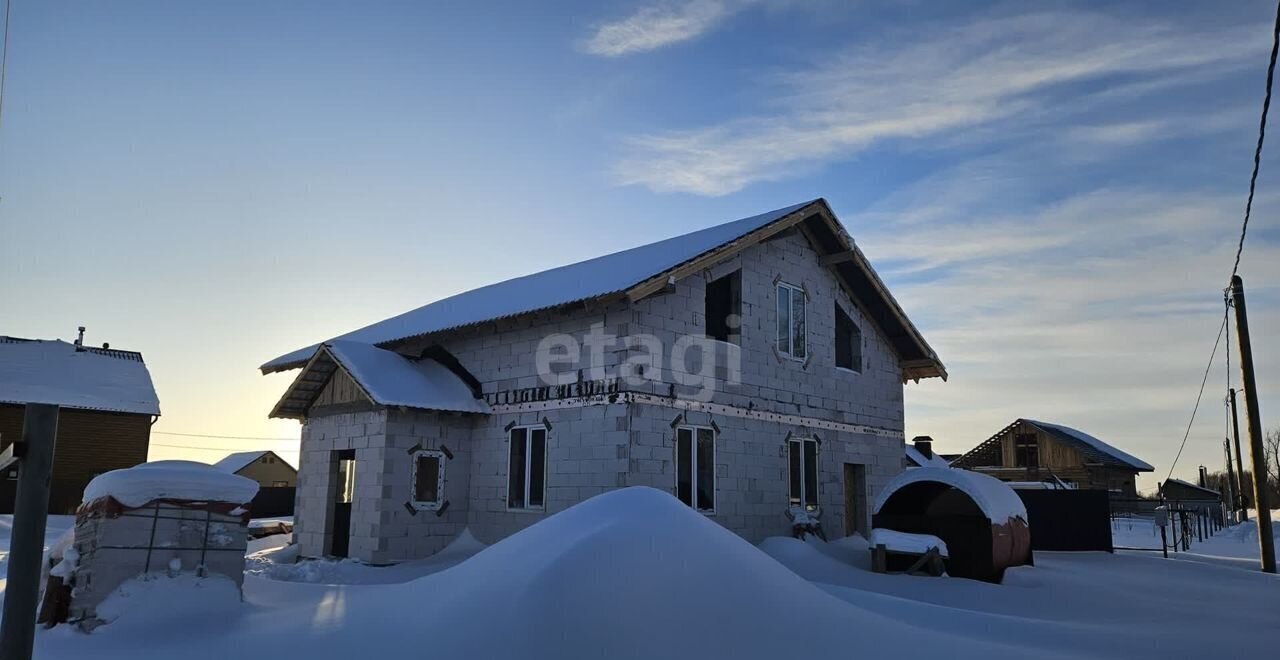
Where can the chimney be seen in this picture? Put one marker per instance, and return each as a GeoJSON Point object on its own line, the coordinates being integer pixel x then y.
{"type": "Point", "coordinates": [924, 445]}
{"type": "Point", "coordinates": [80, 340]}
{"type": "Point", "coordinates": [1204, 477]}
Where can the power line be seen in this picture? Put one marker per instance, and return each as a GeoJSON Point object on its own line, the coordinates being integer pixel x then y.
{"type": "Point", "coordinates": [221, 449]}
{"type": "Point", "coordinates": [1208, 367]}
{"type": "Point", "coordinates": [1244, 228]}
{"type": "Point", "coordinates": [4, 56]}
{"type": "Point", "coordinates": [223, 437]}
{"type": "Point", "coordinates": [1262, 134]}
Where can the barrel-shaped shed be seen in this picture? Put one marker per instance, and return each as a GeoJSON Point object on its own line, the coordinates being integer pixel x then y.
{"type": "Point", "coordinates": [982, 521]}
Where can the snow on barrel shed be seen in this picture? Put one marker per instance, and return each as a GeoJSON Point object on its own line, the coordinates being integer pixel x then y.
{"type": "Point", "coordinates": [163, 517]}
{"type": "Point", "coordinates": [980, 519]}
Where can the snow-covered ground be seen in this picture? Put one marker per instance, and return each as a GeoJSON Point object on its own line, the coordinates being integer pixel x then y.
{"type": "Point", "coordinates": [635, 574]}
{"type": "Point", "coordinates": [1235, 546]}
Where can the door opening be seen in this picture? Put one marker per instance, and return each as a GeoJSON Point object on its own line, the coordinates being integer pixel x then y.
{"type": "Point", "coordinates": [344, 494]}
{"type": "Point", "coordinates": [855, 499]}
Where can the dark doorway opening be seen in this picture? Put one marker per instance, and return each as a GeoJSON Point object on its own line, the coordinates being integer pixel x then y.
{"type": "Point", "coordinates": [855, 499]}
{"type": "Point", "coordinates": [345, 478]}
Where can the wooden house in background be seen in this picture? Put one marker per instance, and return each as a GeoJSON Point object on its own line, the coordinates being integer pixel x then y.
{"type": "Point", "coordinates": [108, 406]}
{"type": "Point", "coordinates": [264, 467]}
{"type": "Point", "coordinates": [1028, 450]}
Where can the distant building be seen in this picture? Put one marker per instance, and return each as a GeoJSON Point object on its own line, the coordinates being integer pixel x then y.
{"type": "Point", "coordinates": [1186, 495]}
{"type": "Point", "coordinates": [1031, 451]}
{"type": "Point", "coordinates": [264, 467]}
{"type": "Point", "coordinates": [108, 406]}
{"type": "Point", "coordinates": [919, 453]}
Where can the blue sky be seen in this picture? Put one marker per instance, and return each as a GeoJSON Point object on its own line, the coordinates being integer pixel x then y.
{"type": "Point", "coordinates": [1053, 193]}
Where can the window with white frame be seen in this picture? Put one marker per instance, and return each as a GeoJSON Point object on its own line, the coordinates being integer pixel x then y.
{"type": "Point", "coordinates": [527, 467]}
{"type": "Point", "coordinates": [792, 321]}
{"type": "Point", "coordinates": [428, 479]}
{"type": "Point", "coordinates": [802, 458]}
{"type": "Point", "coordinates": [696, 467]}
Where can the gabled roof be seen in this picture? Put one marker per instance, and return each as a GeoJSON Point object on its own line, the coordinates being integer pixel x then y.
{"type": "Point", "coordinates": [639, 272]}
{"type": "Point", "coordinates": [54, 371]}
{"type": "Point", "coordinates": [1188, 484]}
{"type": "Point", "coordinates": [1093, 449]}
{"type": "Point", "coordinates": [385, 377]}
{"type": "Point", "coordinates": [238, 461]}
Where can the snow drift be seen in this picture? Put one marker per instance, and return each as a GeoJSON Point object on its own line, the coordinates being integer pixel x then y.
{"type": "Point", "coordinates": [632, 573]}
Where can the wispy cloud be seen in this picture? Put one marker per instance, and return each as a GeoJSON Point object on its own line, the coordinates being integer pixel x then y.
{"type": "Point", "coordinates": [656, 26]}
{"type": "Point", "coordinates": [1096, 308]}
{"type": "Point", "coordinates": [946, 79]}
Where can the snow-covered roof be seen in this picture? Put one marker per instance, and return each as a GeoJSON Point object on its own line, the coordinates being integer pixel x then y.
{"type": "Point", "coordinates": [997, 500]}
{"type": "Point", "coordinates": [919, 459]}
{"type": "Point", "coordinates": [1092, 446]}
{"type": "Point", "coordinates": [904, 542]}
{"type": "Point", "coordinates": [53, 371]}
{"type": "Point", "coordinates": [622, 272]}
{"type": "Point", "coordinates": [171, 480]}
{"type": "Point", "coordinates": [240, 460]}
{"type": "Point", "coordinates": [388, 378]}
{"type": "Point", "coordinates": [1188, 484]}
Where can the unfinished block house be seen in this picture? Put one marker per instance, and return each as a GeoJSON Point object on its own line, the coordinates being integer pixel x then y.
{"type": "Point", "coordinates": [750, 369]}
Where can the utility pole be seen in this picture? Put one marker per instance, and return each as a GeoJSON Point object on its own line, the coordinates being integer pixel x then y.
{"type": "Point", "coordinates": [1258, 458]}
{"type": "Point", "coordinates": [30, 511]}
{"type": "Point", "coordinates": [1235, 431]}
{"type": "Point", "coordinates": [1231, 477]}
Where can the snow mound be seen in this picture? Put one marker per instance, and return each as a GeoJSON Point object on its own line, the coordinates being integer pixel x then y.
{"type": "Point", "coordinates": [996, 499]}
{"type": "Point", "coordinates": [631, 573]}
{"type": "Point", "coordinates": [175, 480]}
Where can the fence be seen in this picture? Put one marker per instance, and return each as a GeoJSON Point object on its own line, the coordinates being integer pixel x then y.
{"type": "Point", "coordinates": [1070, 520]}
{"type": "Point", "coordinates": [272, 501]}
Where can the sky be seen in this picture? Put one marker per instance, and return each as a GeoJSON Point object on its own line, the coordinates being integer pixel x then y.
{"type": "Point", "coordinates": [1053, 193]}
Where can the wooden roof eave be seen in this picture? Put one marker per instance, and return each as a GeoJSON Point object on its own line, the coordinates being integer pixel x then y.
{"type": "Point", "coordinates": [298, 397]}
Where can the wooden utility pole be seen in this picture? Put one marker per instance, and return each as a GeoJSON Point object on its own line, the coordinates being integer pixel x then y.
{"type": "Point", "coordinates": [1235, 431]}
{"type": "Point", "coordinates": [30, 511]}
{"type": "Point", "coordinates": [1231, 478]}
{"type": "Point", "coordinates": [1257, 455]}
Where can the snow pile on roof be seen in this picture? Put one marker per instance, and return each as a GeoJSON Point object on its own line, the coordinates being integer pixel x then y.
{"type": "Point", "coordinates": [581, 281]}
{"type": "Point", "coordinates": [391, 379]}
{"type": "Point", "coordinates": [919, 459]}
{"type": "Point", "coordinates": [903, 542]}
{"type": "Point", "coordinates": [1188, 484]}
{"type": "Point", "coordinates": [171, 480]}
{"type": "Point", "coordinates": [997, 500]}
{"type": "Point", "coordinates": [52, 371]}
{"type": "Point", "coordinates": [1096, 444]}
{"type": "Point", "coordinates": [238, 461]}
